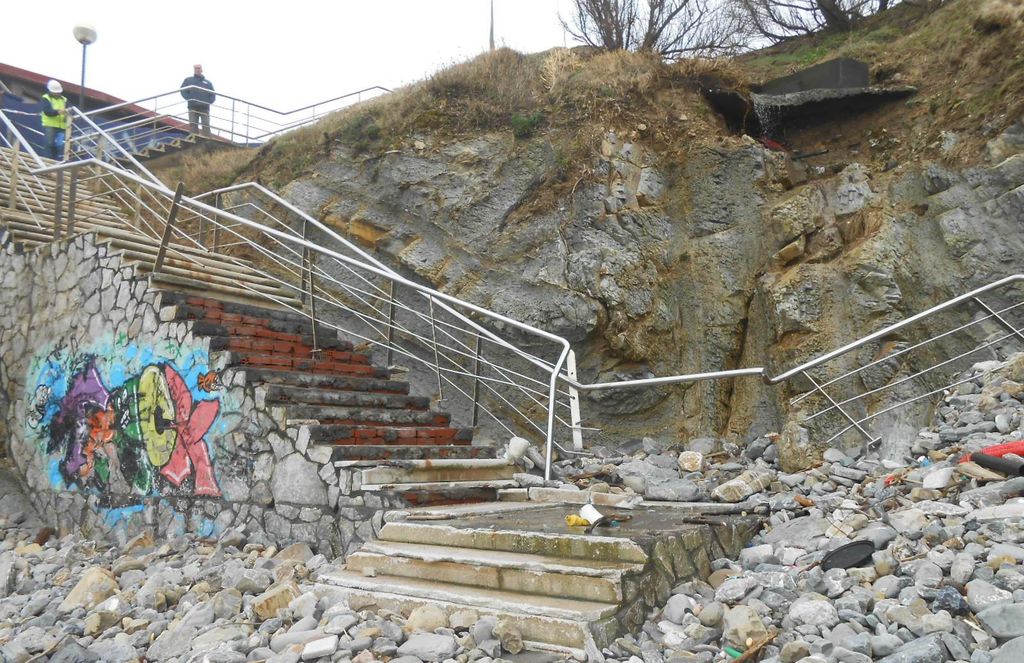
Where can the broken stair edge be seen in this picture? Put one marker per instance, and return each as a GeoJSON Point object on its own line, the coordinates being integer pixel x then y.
{"type": "Point", "coordinates": [583, 546]}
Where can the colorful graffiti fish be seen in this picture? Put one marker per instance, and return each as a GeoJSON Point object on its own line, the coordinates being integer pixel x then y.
{"type": "Point", "coordinates": [118, 440]}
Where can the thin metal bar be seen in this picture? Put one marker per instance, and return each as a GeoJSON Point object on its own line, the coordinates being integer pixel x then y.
{"type": "Point", "coordinates": [890, 385]}
{"type": "Point", "coordinates": [437, 361]}
{"type": "Point", "coordinates": [168, 226]}
{"type": "Point", "coordinates": [58, 204]}
{"type": "Point", "coordinates": [891, 328]}
{"type": "Point", "coordinates": [312, 305]}
{"type": "Point", "coordinates": [871, 440]}
{"type": "Point", "coordinates": [12, 190]}
{"type": "Point", "coordinates": [998, 317]}
{"type": "Point", "coordinates": [72, 196]}
{"type": "Point", "coordinates": [391, 324]}
{"type": "Point", "coordinates": [905, 350]}
{"type": "Point", "coordinates": [476, 382]}
{"type": "Point", "coordinates": [574, 404]}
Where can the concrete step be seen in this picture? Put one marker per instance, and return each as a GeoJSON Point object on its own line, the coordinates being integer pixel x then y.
{"type": "Point", "coordinates": [311, 395]}
{"type": "Point", "coordinates": [572, 614]}
{"type": "Point", "coordinates": [447, 488]}
{"type": "Point", "coordinates": [584, 580]}
{"type": "Point", "coordinates": [567, 545]}
{"type": "Point", "coordinates": [319, 381]}
{"type": "Point", "coordinates": [374, 415]}
{"type": "Point", "coordinates": [405, 435]}
{"type": "Point", "coordinates": [540, 632]}
{"type": "Point", "coordinates": [432, 471]}
{"type": "Point", "coordinates": [378, 452]}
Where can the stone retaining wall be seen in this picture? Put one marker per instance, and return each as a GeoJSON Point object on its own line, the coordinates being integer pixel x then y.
{"type": "Point", "coordinates": [120, 420]}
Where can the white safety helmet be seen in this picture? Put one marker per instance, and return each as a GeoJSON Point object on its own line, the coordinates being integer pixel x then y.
{"type": "Point", "coordinates": [55, 87]}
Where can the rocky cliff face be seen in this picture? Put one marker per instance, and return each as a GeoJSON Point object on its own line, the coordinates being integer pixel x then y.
{"type": "Point", "coordinates": [733, 256]}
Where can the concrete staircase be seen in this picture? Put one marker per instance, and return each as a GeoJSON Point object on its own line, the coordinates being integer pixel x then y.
{"type": "Point", "coordinates": [563, 588]}
{"type": "Point", "coordinates": [393, 442]}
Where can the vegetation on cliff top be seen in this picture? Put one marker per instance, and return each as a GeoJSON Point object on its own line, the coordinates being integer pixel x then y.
{"type": "Point", "coordinates": [966, 59]}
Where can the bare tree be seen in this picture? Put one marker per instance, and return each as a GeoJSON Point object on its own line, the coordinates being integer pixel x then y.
{"type": "Point", "coordinates": [781, 19]}
{"type": "Point", "coordinates": [671, 28]}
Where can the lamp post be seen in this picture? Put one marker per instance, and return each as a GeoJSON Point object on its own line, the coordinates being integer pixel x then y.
{"type": "Point", "coordinates": [85, 34]}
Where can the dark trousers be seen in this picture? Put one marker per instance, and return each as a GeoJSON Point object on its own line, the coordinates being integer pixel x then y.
{"type": "Point", "coordinates": [54, 142]}
{"type": "Point", "coordinates": [199, 115]}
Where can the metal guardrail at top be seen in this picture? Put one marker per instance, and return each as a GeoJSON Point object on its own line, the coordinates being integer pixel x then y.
{"type": "Point", "coordinates": [231, 119]}
{"type": "Point", "coordinates": [343, 287]}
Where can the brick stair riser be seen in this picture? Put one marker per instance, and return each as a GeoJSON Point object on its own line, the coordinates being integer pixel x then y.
{"type": "Point", "coordinates": [397, 475]}
{"type": "Point", "coordinates": [585, 588]}
{"type": "Point", "coordinates": [212, 329]}
{"type": "Point", "coordinates": [445, 497]}
{"type": "Point", "coordinates": [302, 364]}
{"type": "Point", "coordinates": [253, 345]}
{"type": "Point", "coordinates": [371, 452]}
{"type": "Point", "coordinates": [333, 435]}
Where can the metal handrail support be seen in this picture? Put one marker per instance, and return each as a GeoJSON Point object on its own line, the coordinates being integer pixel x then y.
{"type": "Point", "coordinates": [12, 190]}
{"type": "Point", "coordinates": [58, 204]}
{"type": "Point", "coordinates": [72, 199]}
{"type": "Point", "coordinates": [437, 359]}
{"type": "Point", "coordinates": [476, 380]}
{"type": "Point", "coordinates": [390, 334]}
{"type": "Point", "coordinates": [312, 302]}
{"type": "Point", "coordinates": [168, 227]}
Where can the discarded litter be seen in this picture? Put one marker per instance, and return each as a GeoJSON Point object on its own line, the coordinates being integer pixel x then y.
{"type": "Point", "coordinates": [1008, 466]}
{"type": "Point", "coordinates": [848, 556]}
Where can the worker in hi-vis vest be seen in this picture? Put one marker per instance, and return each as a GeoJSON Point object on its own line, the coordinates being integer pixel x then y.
{"type": "Point", "coordinates": [55, 118]}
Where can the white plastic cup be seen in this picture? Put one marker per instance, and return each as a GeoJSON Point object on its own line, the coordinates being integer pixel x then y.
{"type": "Point", "coordinates": [590, 514]}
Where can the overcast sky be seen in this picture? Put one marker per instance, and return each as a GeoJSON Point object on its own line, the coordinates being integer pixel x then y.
{"type": "Point", "coordinates": [281, 54]}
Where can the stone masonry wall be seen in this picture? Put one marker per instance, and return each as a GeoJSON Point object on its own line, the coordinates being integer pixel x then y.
{"type": "Point", "coordinates": [119, 420]}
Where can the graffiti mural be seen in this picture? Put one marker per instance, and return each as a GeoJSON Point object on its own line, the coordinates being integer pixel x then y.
{"type": "Point", "coordinates": [125, 422]}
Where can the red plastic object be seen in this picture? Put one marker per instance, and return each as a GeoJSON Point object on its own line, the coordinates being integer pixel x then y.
{"type": "Point", "coordinates": [1000, 450]}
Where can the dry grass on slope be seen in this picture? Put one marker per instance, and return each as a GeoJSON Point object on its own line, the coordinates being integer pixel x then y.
{"type": "Point", "coordinates": [571, 96]}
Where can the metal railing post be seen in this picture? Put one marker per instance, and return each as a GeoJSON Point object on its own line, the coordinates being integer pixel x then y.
{"type": "Point", "coordinates": [232, 120]}
{"type": "Point", "coordinates": [137, 212]}
{"type": "Point", "coordinates": [67, 138]}
{"type": "Point", "coordinates": [476, 381]}
{"type": "Point", "coordinates": [179, 191]}
{"type": "Point", "coordinates": [72, 197]}
{"type": "Point", "coordinates": [437, 357]}
{"type": "Point", "coordinates": [305, 261]}
{"type": "Point", "coordinates": [575, 419]}
{"type": "Point", "coordinates": [58, 204]}
{"type": "Point", "coordinates": [390, 333]}
{"type": "Point", "coordinates": [312, 303]}
{"type": "Point", "coordinates": [12, 191]}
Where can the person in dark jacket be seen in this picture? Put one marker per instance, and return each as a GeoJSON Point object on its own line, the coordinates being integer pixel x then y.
{"type": "Point", "coordinates": [199, 96]}
{"type": "Point", "coordinates": [54, 118]}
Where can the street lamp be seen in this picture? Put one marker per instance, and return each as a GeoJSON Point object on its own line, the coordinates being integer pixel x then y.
{"type": "Point", "coordinates": [85, 34]}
